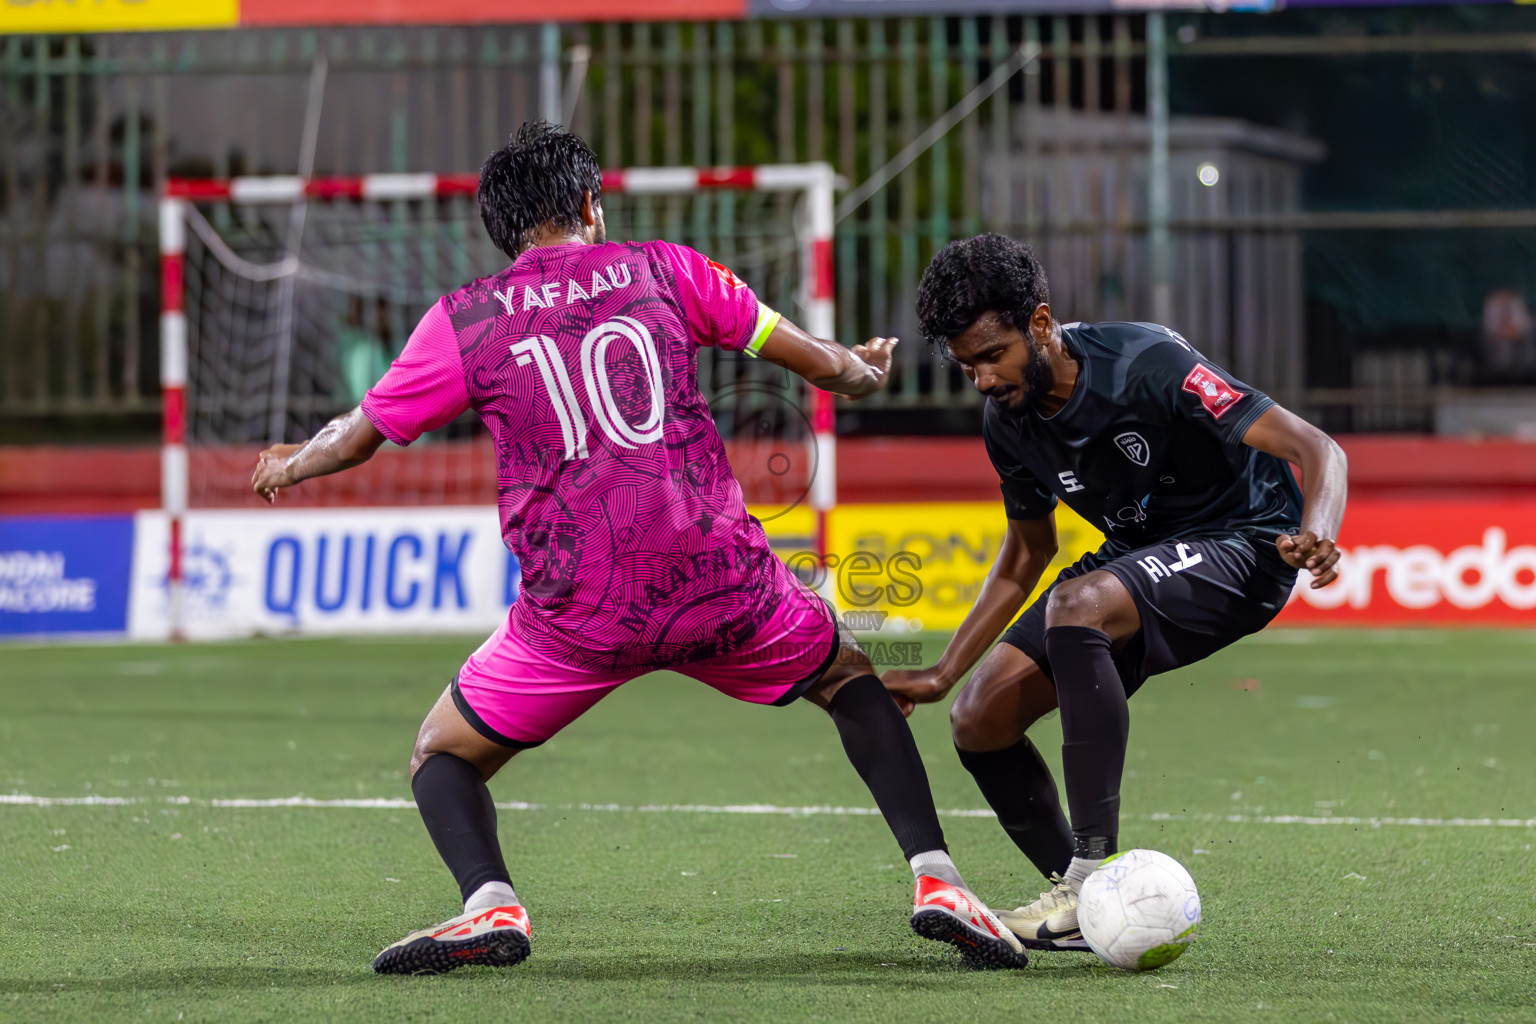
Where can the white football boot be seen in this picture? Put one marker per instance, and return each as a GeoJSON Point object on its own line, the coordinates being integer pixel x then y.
{"type": "Point", "coordinates": [1050, 922]}
{"type": "Point", "coordinates": [497, 937]}
{"type": "Point", "coordinates": [948, 913]}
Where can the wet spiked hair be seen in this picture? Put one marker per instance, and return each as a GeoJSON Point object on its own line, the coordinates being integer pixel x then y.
{"type": "Point", "coordinates": [539, 177]}
{"type": "Point", "coordinates": [988, 273]}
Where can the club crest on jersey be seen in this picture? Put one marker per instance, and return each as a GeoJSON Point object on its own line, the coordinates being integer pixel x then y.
{"type": "Point", "coordinates": [1134, 446]}
{"type": "Point", "coordinates": [1214, 393]}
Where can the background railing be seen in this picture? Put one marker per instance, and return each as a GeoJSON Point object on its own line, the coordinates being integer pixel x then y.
{"type": "Point", "coordinates": [1359, 304]}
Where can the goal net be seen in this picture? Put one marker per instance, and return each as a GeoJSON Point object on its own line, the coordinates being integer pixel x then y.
{"type": "Point", "coordinates": [283, 300]}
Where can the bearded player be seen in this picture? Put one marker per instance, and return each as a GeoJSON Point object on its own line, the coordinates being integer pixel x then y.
{"type": "Point", "coordinates": [1183, 467]}
{"type": "Point", "coordinates": [636, 548]}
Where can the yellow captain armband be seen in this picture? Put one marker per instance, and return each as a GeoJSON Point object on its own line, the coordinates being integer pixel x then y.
{"type": "Point", "coordinates": [767, 320]}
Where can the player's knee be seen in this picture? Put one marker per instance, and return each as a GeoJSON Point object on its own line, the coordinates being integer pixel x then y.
{"type": "Point", "coordinates": [1079, 602]}
{"type": "Point", "coordinates": [972, 727]}
{"type": "Point", "coordinates": [967, 728]}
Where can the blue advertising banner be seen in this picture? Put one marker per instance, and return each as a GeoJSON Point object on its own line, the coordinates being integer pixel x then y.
{"type": "Point", "coordinates": [64, 574]}
{"type": "Point", "coordinates": [343, 571]}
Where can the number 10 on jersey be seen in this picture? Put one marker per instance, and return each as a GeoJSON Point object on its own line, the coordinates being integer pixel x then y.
{"type": "Point", "coordinates": [542, 352]}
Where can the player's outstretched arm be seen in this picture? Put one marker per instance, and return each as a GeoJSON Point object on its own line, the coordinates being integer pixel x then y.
{"type": "Point", "coordinates": [1028, 547]}
{"type": "Point", "coordinates": [348, 440]}
{"type": "Point", "coordinates": [1324, 486]}
{"type": "Point", "coordinates": [853, 372]}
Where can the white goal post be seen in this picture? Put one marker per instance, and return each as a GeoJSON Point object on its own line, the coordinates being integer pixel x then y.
{"type": "Point", "coordinates": [179, 212]}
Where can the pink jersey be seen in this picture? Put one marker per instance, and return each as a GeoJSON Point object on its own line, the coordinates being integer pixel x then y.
{"type": "Point", "coordinates": [636, 548]}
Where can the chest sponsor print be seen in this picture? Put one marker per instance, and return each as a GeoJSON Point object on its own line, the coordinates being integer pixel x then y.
{"type": "Point", "coordinates": [1214, 393]}
{"type": "Point", "coordinates": [1130, 515]}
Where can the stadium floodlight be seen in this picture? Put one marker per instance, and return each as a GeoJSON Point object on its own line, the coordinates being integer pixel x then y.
{"type": "Point", "coordinates": [226, 327]}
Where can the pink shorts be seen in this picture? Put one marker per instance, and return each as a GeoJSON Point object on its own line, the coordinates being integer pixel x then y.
{"type": "Point", "coordinates": [517, 697]}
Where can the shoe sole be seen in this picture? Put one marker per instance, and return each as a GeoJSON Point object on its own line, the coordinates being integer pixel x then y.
{"type": "Point", "coordinates": [1074, 945]}
{"type": "Point", "coordinates": [977, 948]}
{"type": "Point", "coordinates": [503, 948]}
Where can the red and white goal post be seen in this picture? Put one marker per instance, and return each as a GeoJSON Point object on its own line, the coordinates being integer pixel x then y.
{"type": "Point", "coordinates": [182, 200]}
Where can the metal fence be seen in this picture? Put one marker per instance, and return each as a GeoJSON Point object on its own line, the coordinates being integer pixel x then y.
{"type": "Point", "coordinates": [94, 123]}
{"type": "Point", "coordinates": [90, 124]}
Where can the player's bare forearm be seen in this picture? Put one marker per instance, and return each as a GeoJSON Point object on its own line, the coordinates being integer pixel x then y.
{"type": "Point", "coordinates": [348, 440]}
{"type": "Point", "coordinates": [851, 372]}
{"type": "Point", "coordinates": [1028, 547]}
{"type": "Point", "coordinates": [1324, 485]}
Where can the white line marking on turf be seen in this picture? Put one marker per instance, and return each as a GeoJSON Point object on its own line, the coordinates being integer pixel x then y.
{"type": "Point", "coordinates": [24, 800]}
{"type": "Point", "coordinates": [1306, 819]}
{"type": "Point", "coordinates": [829, 810]}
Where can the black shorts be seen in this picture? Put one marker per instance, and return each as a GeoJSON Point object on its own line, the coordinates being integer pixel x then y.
{"type": "Point", "coordinates": [1195, 596]}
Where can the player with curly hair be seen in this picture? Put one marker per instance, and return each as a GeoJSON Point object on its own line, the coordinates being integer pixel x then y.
{"type": "Point", "coordinates": [636, 548]}
{"type": "Point", "coordinates": [1185, 469]}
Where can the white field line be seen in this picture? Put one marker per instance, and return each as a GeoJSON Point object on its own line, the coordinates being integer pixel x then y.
{"type": "Point", "coordinates": [396, 804]}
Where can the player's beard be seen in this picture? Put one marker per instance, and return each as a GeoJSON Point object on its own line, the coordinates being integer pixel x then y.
{"type": "Point", "coordinates": [1039, 379]}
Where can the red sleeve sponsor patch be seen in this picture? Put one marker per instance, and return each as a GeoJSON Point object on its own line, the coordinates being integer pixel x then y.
{"type": "Point", "coordinates": [726, 274]}
{"type": "Point", "coordinates": [1214, 393]}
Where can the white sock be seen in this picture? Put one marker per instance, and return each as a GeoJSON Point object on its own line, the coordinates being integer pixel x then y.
{"type": "Point", "coordinates": [936, 864]}
{"type": "Point", "coordinates": [489, 895]}
{"type": "Point", "coordinates": [1079, 870]}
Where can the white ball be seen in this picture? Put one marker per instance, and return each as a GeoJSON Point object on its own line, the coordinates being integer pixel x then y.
{"type": "Point", "coordinates": [1139, 910]}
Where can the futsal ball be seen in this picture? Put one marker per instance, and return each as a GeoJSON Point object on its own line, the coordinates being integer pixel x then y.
{"type": "Point", "coordinates": [1139, 910]}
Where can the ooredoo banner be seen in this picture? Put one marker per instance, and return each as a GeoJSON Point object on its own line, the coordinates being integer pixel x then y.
{"type": "Point", "coordinates": [1423, 563]}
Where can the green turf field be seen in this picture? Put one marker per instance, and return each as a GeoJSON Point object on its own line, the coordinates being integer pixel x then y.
{"type": "Point", "coordinates": [172, 908]}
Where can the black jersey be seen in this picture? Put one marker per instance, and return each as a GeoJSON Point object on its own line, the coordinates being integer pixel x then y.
{"type": "Point", "coordinates": [1148, 448]}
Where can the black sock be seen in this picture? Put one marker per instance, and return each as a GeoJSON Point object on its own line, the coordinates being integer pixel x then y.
{"type": "Point", "coordinates": [1095, 725]}
{"type": "Point", "coordinates": [1018, 786]}
{"type": "Point", "coordinates": [461, 819]}
{"type": "Point", "coordinates": [880, 746]}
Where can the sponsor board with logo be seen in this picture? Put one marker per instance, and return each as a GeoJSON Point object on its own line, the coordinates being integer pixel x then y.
{"type": "Point", "coordinates": [1405, 563]}
{"type": "Point", "coordinates": [64, 574]}
{"type": "Point", "coordinates": [115, 15]}
{"type": "Point", "coordinates": [923, 563]}
{"type": "Point", "coordinates": [1424, 563]}
{"type": "Point", "coordinates": [893, 566]}
{"type": "Point", "coordinates": [326, 571]}
{"type": "Point", "coordinates": [139, 15]}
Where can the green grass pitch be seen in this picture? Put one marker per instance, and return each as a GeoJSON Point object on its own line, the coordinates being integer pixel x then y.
{"type": "Point", "coordinates": [172, 908]}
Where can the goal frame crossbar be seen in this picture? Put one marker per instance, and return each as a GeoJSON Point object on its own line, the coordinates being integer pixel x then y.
{"type": "Point", "coordinates": [816, 181]}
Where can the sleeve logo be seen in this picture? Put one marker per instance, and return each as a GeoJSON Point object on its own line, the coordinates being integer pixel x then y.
{"type": "Point", "coordinates": [726, 274]}
{"type": "Point", "coordinates": [1214, 393]}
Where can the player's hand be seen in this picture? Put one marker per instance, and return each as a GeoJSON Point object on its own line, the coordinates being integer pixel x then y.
{"type": "Point", "coordinates": [272, 471]}
{"type": "Point", "coordinates": [912, 687]}
{"type": "Point", "coordinates": [1307, 551]}
{"type": "Point", "coordinates": [876, 353]}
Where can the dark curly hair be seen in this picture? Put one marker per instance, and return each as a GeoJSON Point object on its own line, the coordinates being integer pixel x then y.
{"type": "Point", "coordinates": [988, 273]}
{"type": "Point", "coordinates": [539, 177]}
